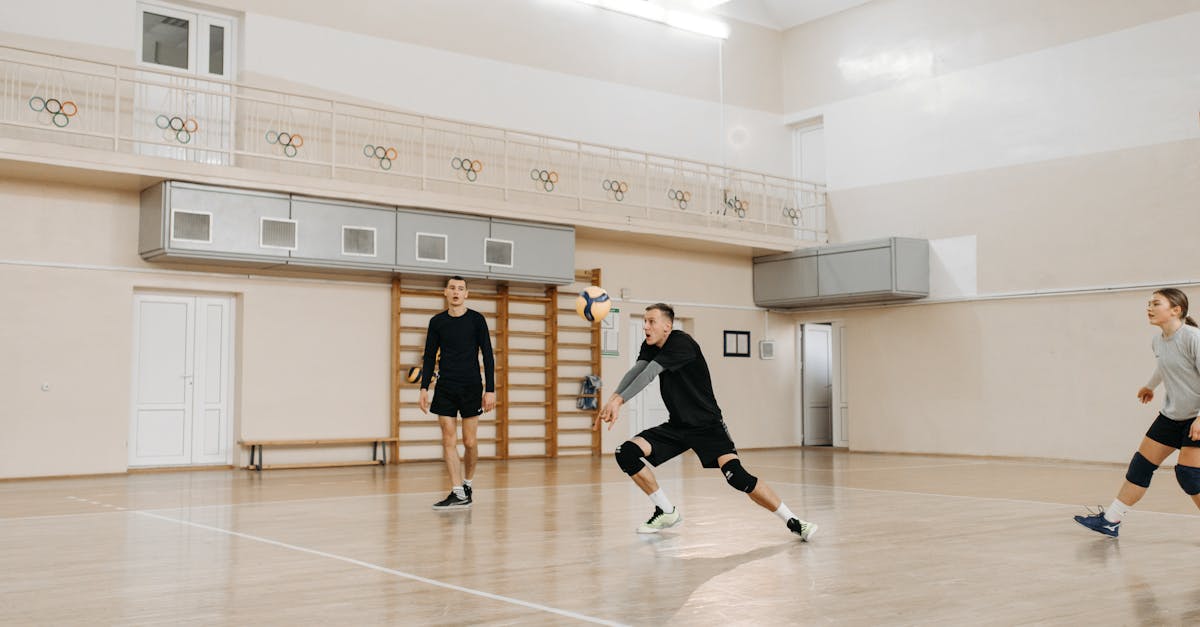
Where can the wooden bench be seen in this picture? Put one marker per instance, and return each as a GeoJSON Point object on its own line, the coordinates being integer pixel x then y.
{"type": "Point", "coordinates": [256, 449]}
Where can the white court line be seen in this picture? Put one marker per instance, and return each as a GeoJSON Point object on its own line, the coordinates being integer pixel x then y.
{"type": "Point", "coordinates": [803, 469]}
{"type": "Point", "coordinates": [390, 571]}
{"type": "Point", "coordinates": [970, 498]}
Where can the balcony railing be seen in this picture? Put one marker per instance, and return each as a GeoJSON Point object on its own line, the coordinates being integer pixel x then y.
{"type": "Point", "coordinates": [136, 110]}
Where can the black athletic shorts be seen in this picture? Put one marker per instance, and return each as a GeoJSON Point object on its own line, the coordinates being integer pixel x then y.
{"type": "Point", "coordinates": [668, 440]}
{"type": "Point", "coordinates": [450, 399]}
{"type": "Point", "coordinates": [1172, 433]}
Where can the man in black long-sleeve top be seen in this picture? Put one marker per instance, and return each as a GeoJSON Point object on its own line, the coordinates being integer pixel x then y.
{"type": "Point", "coordinates": [460, 334]}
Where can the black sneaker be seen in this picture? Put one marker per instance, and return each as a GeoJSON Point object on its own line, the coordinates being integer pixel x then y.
{"type": "Point", "coordinates": [802, 528]}
{"type": "Point", "coordinates": [1098, 523]}
{"type": "Point", "coordinates": [453, 502]}
{"type": "Point", "coordinates": [467, 490]}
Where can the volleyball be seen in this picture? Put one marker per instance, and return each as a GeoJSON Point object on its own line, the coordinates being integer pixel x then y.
{"type": "Point", "coordinates": [593, 304]}
{"type": "Point", "coordinates": [414, 374]}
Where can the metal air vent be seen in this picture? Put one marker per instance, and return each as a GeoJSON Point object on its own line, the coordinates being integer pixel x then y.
{"type": "Point", "coordinates": [277, 233]}
{"type": "Point", "coordinates": [191, 226]}
{"type": "Point", "coordinates": [431, 247]}
{"type": "Point", "coordinates": [358, 241]}
{"type": "Point", "coordinates": [498, 252]}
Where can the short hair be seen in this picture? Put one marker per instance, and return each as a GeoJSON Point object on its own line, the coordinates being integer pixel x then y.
{"type": "Point", "coordinates": [454, 278]}
{"type": "Point", "coordinates": [665, 308]}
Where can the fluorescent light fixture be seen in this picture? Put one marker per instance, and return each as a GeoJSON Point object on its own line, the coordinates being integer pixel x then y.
{"type": "Point", "coordinates": [697, 24]}
{"type": "Point", "coordinates": [655, 13]}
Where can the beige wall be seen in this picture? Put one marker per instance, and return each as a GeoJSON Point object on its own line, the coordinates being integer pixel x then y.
{"type": "Point", "coordinates": [312, 354]}
{"type": "Point", "coordinates": [1079, 208]}
{"type": "Point", "coordinates": [1039, 377]}
{"type": "Point", "coordinates": [756, 396]}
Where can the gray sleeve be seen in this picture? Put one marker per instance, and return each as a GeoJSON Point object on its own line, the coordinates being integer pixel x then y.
{"type": "Point", "coordinates": [629, 376]}
{"type": "Point", "coordinates": [640, 382]}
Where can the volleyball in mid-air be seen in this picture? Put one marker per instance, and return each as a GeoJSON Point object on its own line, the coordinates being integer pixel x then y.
{"type": "Point", "coordinates": [593, 304]}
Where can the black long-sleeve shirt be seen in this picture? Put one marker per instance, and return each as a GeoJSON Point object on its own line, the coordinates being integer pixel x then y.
{"type": "Point", "coordinates": [461, 340]}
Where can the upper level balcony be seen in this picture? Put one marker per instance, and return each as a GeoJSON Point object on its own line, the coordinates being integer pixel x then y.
{"type": "Point", "coordinates": [86, 119]}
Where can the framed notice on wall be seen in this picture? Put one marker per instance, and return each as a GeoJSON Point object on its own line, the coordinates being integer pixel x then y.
{"type": "Point", "coordinates": [610, 333]}
{"type": "Point", "coordinates": [737, 343]}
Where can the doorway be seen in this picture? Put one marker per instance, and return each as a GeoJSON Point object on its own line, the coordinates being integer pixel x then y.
{"type": "Point", "coordinates": [182, 381]}
{"type": "Point", "coordinates": [648, 408]}
{"type": "Point", "coordinates": [184, 110]}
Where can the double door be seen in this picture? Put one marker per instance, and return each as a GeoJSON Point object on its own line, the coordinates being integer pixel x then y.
{"type": "Point", "coordinates": [182, 381]}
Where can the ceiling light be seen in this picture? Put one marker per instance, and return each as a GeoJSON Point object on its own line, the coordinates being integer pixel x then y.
{"type": "Point", "coordinates": [655, 13]}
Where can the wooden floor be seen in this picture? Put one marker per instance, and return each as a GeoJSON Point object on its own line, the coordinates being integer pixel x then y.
{"type": "Point", "coordinates": [904, 540]}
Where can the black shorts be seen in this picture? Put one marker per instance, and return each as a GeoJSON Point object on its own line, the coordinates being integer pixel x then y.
{"type": "Point", "coordinates": [669, 440]}
{"type": "Point", "coordinates": [450, 399]}
{"type": "Point", "coordinates": [1172, 433]}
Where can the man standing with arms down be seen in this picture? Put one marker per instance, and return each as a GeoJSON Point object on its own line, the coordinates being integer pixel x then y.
{"type": "Point", "coordinates": [695, 423]}
{"type": "Point", "coordinates": [460, 334]}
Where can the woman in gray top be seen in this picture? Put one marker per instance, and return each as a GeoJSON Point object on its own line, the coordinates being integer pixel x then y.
{"type": "Point", "coordinates": [1177, 353]}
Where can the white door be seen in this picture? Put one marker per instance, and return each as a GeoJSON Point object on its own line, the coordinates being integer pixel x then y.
{"type": "Point", "coordinates": [182, 381]}
{"type": "Point", "coordinates": [841, 408]}
{"type": "Point", "coordinates": [647, 408]}
{"type": "Point", "coordinates": [817, 378]}
{"type": "Point", "coordinates": [178, 114]}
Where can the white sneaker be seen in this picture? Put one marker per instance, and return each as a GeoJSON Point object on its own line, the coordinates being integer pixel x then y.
{"type": "Point", "coordinates": [660, 520]}
{"type": "Point", "coordinates": [802, 528]}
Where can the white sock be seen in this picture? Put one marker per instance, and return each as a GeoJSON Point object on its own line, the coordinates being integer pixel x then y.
{"type": "Point", "coordinates": [460, 492]}
{"type": "Point", "coordinates": [1116, 511]}
{"type": "Point", "coordinates": [660, 499]}
{"type": "Point", "coordinates": [784, 513]}
{"type": "Point", "coordinates": [467, 482]}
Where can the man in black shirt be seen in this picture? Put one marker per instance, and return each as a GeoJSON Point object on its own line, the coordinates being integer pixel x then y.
{"type": "Point", "coordinates": [460, 334]}
{"type": "Point", "coordinates": [695, 423]}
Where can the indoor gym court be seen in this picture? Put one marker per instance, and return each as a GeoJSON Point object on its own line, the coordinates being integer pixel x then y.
{"type": "Point", "coordinates": [914, 238]}
{"type": "Point", "coordinates": [904, 540]}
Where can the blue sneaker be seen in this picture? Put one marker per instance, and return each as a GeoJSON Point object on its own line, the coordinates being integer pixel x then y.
{"type": "Point", "coordinates": [1098, 523]}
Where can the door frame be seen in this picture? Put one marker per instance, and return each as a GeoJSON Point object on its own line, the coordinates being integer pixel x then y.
{"type": "Point", "coordinates": [227, 372]}
{"type": "Point", "coordinates": [839, 405]}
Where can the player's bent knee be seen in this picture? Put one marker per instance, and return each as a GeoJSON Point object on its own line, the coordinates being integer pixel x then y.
{"type": "Point", "coordinates": [1141, 470]}
{"type": "Point", "coordinates": [629, 458]}
{"type": "Point", "coordinates": [1189, 479]}
{"type": "Point", "coordinates": [737, 476]}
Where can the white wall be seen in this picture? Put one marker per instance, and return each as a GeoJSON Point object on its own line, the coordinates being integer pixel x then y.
{"type": "Point", "coordinates": [1130, 88]}
{"type": "Point", "coordinates": [1063, 144]}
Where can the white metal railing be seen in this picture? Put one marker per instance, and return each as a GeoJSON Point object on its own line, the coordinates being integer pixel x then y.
{"type": "Point", "coordinates": [81, 103]}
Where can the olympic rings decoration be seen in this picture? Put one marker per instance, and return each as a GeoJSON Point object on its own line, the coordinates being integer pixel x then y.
{"type": "Point", "coordinates": [616, 189]}
{"type": "Point", "coordinates": [738, 206]}
{"type": "Point", "coordinates": [679, 197]}
{"type": "Point", "coordinates": [791, 214]}
{"type": "Point", "coordinates": [472, 167]}
{"type": "Point", "coordinates": [291, 142]}
{"type": "Point", "coordinates": [545, 179]}
{"type": "Point", "coordinates": [60, 111]}
{"type": "Point", "coordinates": [177, 127]}
{"type": "Point", "coordinates": [385, 155]}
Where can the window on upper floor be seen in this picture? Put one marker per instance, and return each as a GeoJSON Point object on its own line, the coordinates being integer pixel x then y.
{"type": "Point", "coordinates": [186, 40]}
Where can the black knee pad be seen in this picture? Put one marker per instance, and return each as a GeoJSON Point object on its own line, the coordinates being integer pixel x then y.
{"type": "Point", "coordinates": [1140, 471]}
{"type": "Point", "coordinates": [629, 458]}
{"type": "Point", "coordinates": [737, 476]}
{"type": "Point", "coordinates": [1189, 479]}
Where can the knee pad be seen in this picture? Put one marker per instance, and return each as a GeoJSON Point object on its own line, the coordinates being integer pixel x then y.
{"type": "Point", "coordinates": [1140, 471]}
{"type": "Point", "coordinates": [1189, 479]}
{"type": "Point", "coordinates": [629, 458]}
{"type": "Point", "coordinates": [737, 476]}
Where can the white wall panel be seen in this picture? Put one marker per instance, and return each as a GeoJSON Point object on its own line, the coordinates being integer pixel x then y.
{"type": "Point", "coordinates": [462, 87]}
{"type": "Point", "coordinates": [1130, 88]}
{"type": "Point", "coordinates": [107, 23]}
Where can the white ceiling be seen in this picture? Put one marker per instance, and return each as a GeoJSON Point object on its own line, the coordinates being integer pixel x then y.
{"type": "Point", "coordinates": [776, 14]}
